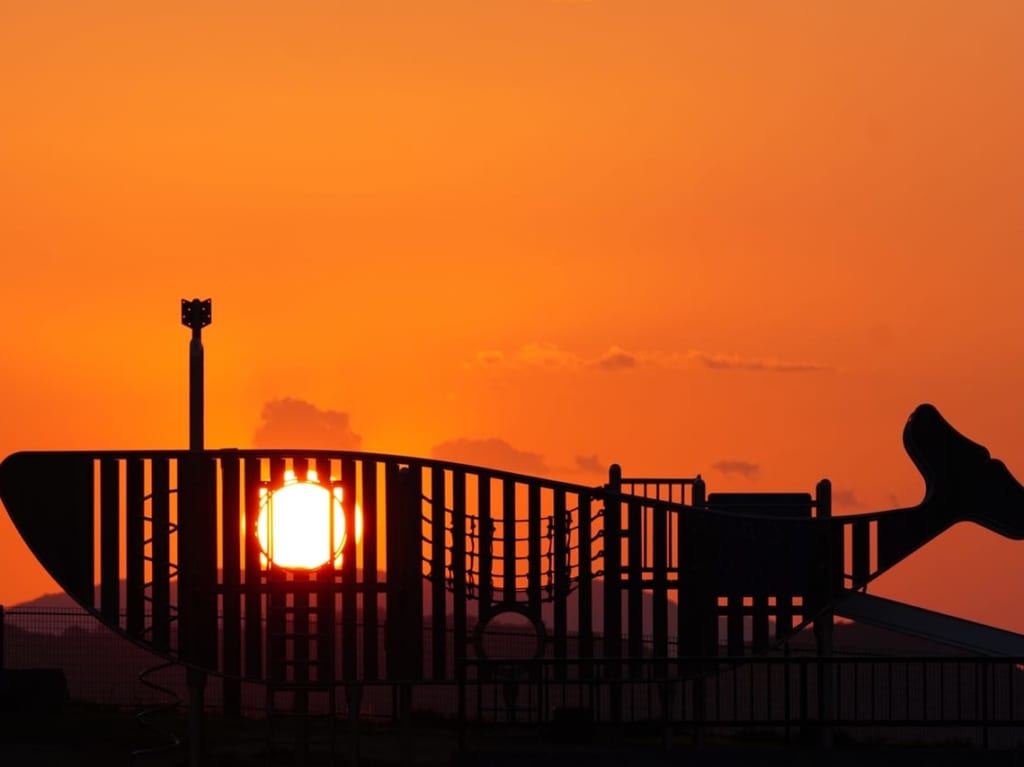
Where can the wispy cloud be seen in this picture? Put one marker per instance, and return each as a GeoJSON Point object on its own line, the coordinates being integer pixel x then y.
{"type": "Point", "coordinates": [490, 357]}
{"type": "Point", "coordinates": [590, 464]}
{"type": "Point", "coordinates": [744, 469]}
{"type": "Point", "coordinates": [717, 361]}
{"type": "Point", "coordinates": [537, 355]}
{"type": "Point", "coordinates": [547, 355]}
{"type": "Point", "coordinates": [618, 359]}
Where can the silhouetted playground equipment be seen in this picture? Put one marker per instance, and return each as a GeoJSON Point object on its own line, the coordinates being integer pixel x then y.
{"type": "Point", "coordinates": [636, 579]}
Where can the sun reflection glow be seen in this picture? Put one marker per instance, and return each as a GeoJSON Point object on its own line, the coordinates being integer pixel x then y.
{"type": "Point", "coordinates": [294, 527]}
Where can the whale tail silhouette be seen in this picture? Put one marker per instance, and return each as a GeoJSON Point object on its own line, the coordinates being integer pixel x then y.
{"type": "Point", "coordinates": [963, 482]}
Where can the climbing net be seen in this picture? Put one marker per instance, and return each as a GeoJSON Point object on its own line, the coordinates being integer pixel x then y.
{"type": "Point", "coordinates": [559, 552]}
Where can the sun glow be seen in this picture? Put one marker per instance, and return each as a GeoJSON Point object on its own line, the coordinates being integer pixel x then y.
{"type": "Point", "coordinates": [296, 520]}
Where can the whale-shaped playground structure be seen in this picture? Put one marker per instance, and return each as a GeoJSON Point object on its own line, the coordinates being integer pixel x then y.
{"type": "Point", "coordinates": [635, 568]}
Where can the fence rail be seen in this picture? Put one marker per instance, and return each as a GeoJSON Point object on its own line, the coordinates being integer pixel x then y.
{"type": "Point", "coordinates": [979, 695]}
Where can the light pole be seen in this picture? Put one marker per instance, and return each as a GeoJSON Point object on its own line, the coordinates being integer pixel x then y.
{"type": "Point", "coordinates": [196, 315]}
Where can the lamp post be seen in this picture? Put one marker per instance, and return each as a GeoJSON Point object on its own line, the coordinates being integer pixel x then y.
{"type": "Point", "coordinates": [196, 315]}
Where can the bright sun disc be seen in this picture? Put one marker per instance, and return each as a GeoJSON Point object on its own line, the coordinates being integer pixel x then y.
{"type": "Point", "coordinates": [294, 524]}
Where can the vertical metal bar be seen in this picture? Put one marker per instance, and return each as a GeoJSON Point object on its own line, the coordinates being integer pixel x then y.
{"type": "Point", "coordinates": [704, 601]}
{"type": "Point", "coordinates": [508, 517]}
{"type": "Point", "coordinates": [584, 555]}
{"type": "Point", "coordinates": [110, 540]}
{"type": "Point", "coordinates": [659, 564]}
{"type": "Point", "coordinates": [231, 573]}
{"type": "Point", "coordinates": [326, 589]}
{"type": "Point", "coordinates": [613, 569]}
{"type": "Point", "coordinates": [679, 566]}
{"type": "Point", "coordinates": [534, 543]}
{"type": "Point", "coordinates": [404, 540]}
{"type": "Point", "coordinates": [824, 622]}
{"type": "Point", "coordinates": [160, 548]}
{"type": "Point", "coordinates": [369, 549]}
{"type": "Point", "coordinates": [438, 576]}
{"type": "Point", "coordinates": [458, 572]}
{"type": "Point", "coordinates": [759, 624]}
{"type": "Point", "coordinates": [253, 571]}
{"type": "Point", "coordinates": [349, 586]}
{"type": "Point", "coordinates": [561, 576]}
{"type": "Point", "coordinates": [135, 546]}
{"type": "Point", "coordinates": [783, 616]}
{"type": "Point", "coordinates": [486, 544]}
{"type": "Point", "coordinates": [394, 519]}
{"type": "Point", "coordinates": [635, 553]}
{"type": "Point", "coordinates": [698, 615]}
{"type": "Point", "coordinates": [734, 625]}
{"type": "Point", "coordinates": [299, 631]}
{"type": "Point", "coordinates": [277, 597]}
{"type": "Point", "coordinates": [861, 554]}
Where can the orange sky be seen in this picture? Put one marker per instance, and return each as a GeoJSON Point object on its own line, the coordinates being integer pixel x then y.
{"type": "Point", "coordinates": [669, 234]}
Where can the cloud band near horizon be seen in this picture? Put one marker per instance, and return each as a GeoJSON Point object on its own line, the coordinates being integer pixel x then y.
{"type": "Point", "coordinates": [616, 359]}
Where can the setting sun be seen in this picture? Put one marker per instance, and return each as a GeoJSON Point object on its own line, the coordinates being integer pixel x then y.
{"type": "Point", "coordinates": [295, 523]}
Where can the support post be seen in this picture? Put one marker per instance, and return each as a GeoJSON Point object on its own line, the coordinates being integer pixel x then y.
{"type": "Point", "coordinates": [698, 615]}
{"type": "Point", "coordinates": [613, 588]}
{"type": "Point", "coordinates": [196, 315]}
{"type": "Point", "coordinates": [824, 624]}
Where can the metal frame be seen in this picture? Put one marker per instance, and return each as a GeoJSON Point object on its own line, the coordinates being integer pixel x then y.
{"type": "Point", "coordinates": [446, 547]}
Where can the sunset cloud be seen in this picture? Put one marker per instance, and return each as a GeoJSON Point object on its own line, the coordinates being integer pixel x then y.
{"type": "Point", "coordinates": [536, 355]}
{"type": "Point", "coordinates": [616, 359]}
{"type": "Point", "coordinates": [546, 355]}
{"type": "Point", "coordinates": [490, 357]}
{"type": "Point", "coordinates": [590, 464]}
{"type": "Point", "coordinates": [763, 364]}
{"type": "Point", "coordinates": [290, 422]}
{"type": "Point", "coordinates": [492, 452]}
{"type": "Point", "coordinates": [744, 469]}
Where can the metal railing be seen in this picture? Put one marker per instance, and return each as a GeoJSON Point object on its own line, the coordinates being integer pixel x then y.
{"type": "Point", "coordinates": [982, 698]}
{"type": "Point", "coordinates": [783, 694]}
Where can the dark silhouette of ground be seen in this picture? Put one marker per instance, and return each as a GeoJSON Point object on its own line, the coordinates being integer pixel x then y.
{"type": "Point", "coordinates": [89, 736]}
